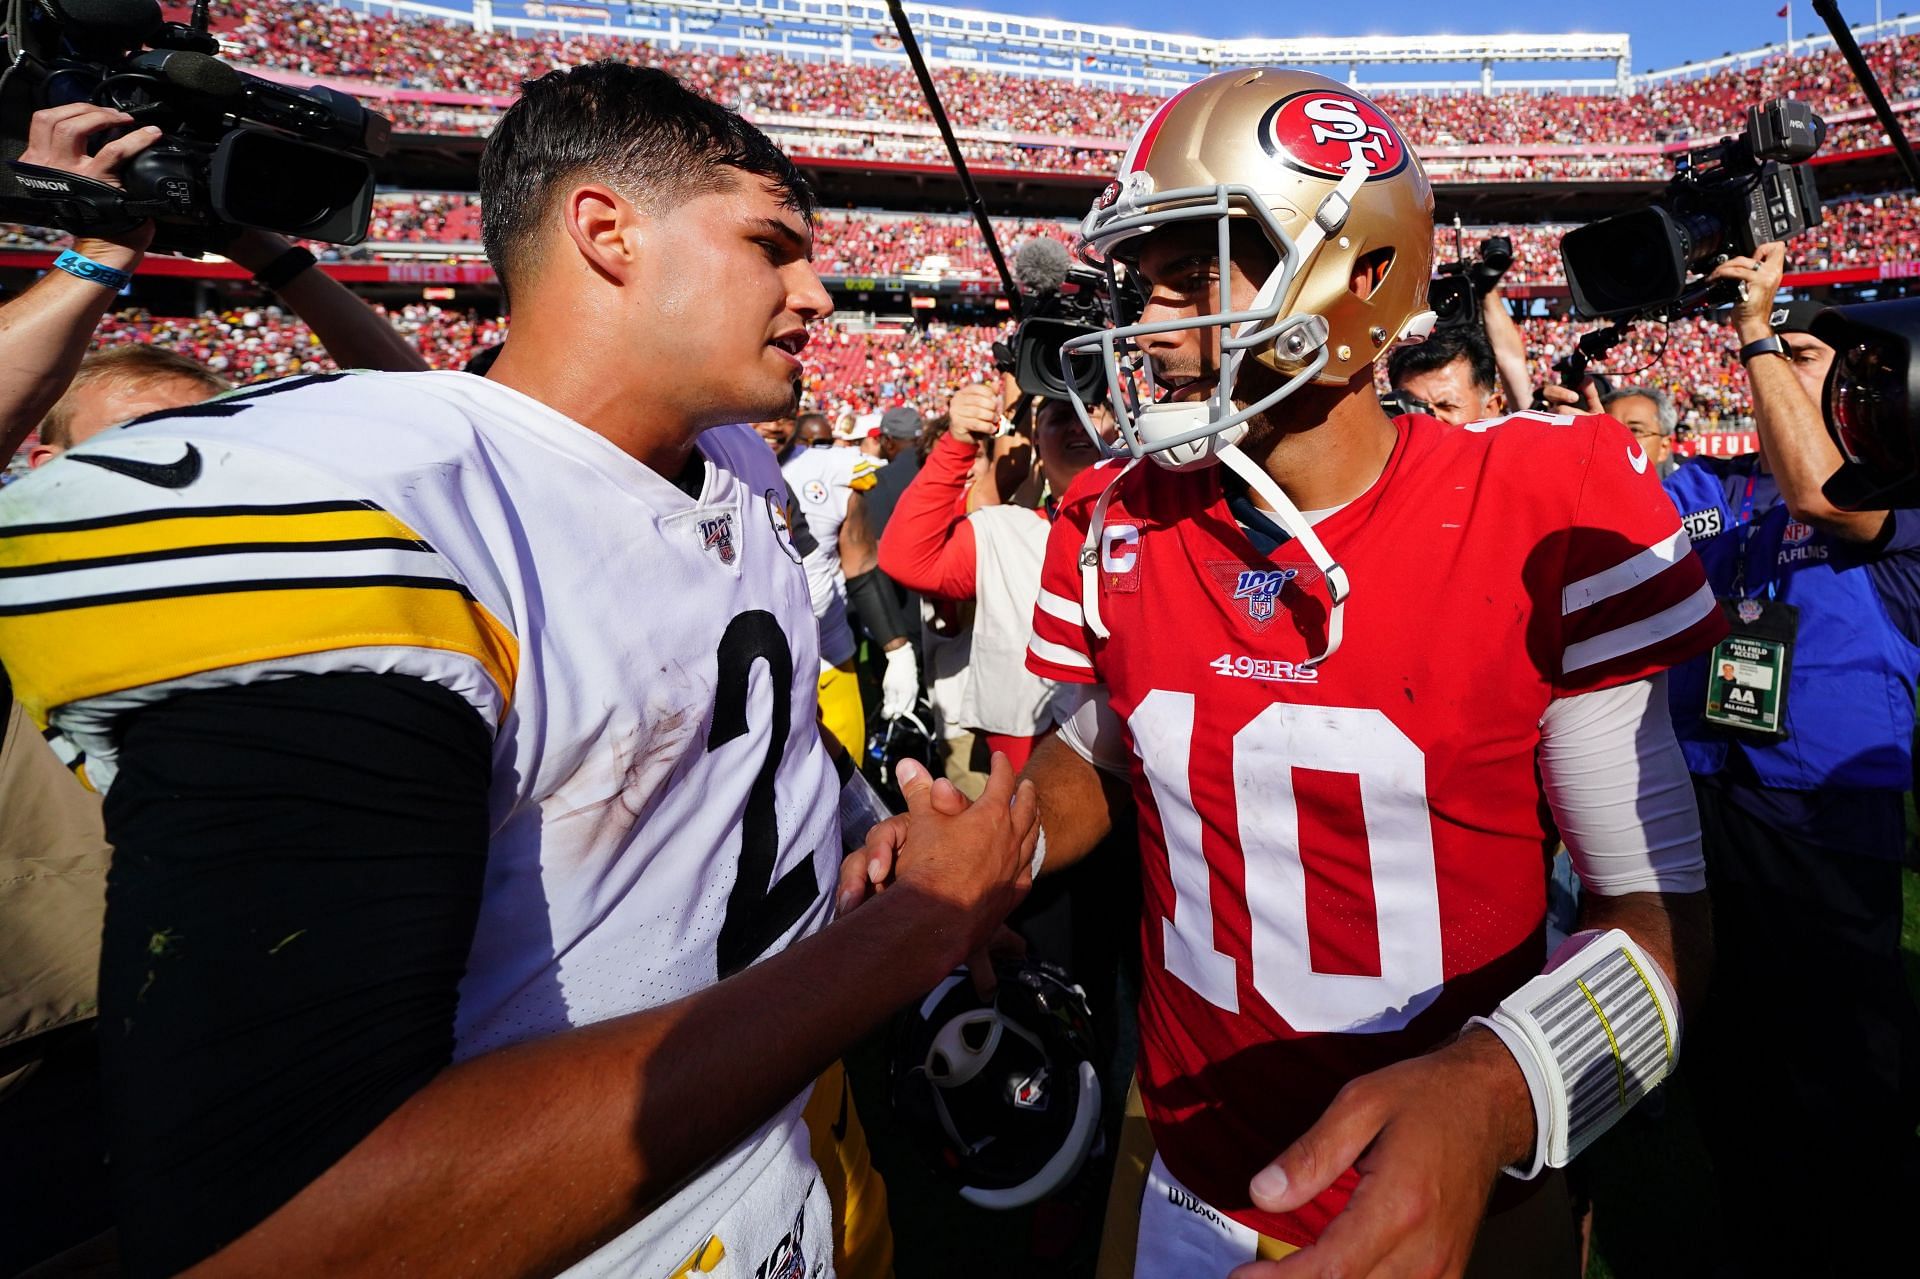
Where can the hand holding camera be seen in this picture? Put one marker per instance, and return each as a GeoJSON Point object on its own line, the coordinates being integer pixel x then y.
{"type": "Point", "coordinates": [1759, 278]}
{"type": "Point", "coordinates": [59, 138]}
{"type": "Point", "coordinates": [221, 149]}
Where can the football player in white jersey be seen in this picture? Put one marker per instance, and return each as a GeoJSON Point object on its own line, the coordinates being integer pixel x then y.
{"type": "Point", "coordinates": [843, 571]}
{"type": "Point", "coordinates": [474, 835]}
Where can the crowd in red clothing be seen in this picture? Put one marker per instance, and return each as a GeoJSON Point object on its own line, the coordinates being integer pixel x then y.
{"type": "Point", "coordinates": [1857, 231]}
{"type": "Point", "coordinates": [255, 343]}
{"type": "Point", "coordinates": [1693, 360]}
{"type": "Point", "coordinates": [855, 370]}
{"type": "Point", "coordinates": [432, 55]}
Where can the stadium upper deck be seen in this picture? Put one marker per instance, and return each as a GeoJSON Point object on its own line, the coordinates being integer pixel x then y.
{"type": "Point", "coordinates": [1110, 57]}
{"type": "Point", "coordinates": [853, 106]}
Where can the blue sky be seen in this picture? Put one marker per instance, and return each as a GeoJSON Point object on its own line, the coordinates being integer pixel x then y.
{"type": "Point", "coordinates": [1665, 32]}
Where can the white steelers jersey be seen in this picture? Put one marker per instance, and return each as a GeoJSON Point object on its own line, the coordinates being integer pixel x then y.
{"type": "Point", "coordinates": [663, 811]}
{"type": "Point", "coordinates": [824, 481]}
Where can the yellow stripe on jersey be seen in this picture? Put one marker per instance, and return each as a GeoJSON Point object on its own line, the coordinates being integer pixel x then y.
{"type": "Point", "coordinates": [167, 532]}
{"type": "Point", "coordinates": [63, 655]}
{"type": "Point", "coordinates": [864, 478]}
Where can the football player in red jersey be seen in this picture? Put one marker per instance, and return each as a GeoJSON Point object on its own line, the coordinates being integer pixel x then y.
{"type": "Point", "coordinates": [1359, 675]}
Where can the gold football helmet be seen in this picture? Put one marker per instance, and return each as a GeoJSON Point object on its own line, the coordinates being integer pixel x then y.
{"type": "Point", "coordinates": [1333, 185]}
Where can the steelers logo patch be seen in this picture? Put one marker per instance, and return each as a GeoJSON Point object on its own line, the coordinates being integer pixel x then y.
{"type": "Point", "coordinates": [1322, 131]}
{"type": "Point", "coordinates": [814, 491]}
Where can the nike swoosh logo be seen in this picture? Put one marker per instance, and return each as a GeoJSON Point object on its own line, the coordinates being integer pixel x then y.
{"type": "Point", "coordinates": [1637, 458]}
{"type": "Point", "coordinates": [167, 475]}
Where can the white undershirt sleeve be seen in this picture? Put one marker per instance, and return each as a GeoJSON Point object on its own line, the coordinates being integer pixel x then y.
{"type": "Point", "coordinates": [1620, 793]}
{"type": "Point", "coordinates": [1096, 734]}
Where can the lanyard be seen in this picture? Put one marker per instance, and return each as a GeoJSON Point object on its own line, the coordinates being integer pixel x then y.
{"type": "Point", "coordinates": [1743, 530]}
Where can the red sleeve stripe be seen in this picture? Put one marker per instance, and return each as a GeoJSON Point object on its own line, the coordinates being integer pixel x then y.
{"type": "Point", "coordinates": [1058, 654]}
{"type": "Point", "coordinates": [1061, 607]}
{"type": "Point", "coordinates": [1644, 633]}
{"type": "Point", "coordinates": [1627, 574]}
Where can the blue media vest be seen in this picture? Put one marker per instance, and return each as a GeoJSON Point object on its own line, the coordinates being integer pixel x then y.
{"type": "Point", "coordinates": [1850, 695]}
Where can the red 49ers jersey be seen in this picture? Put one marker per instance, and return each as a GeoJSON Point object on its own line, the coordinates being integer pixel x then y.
{"type": "Point", "coordinates": [1343, 863]}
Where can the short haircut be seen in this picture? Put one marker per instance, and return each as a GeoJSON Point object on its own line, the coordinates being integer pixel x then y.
{"type": "Point", "coordinates": [1443, 347]}
{"type": "Point", "coordinates": [637, 129]}
{"type": "Point", "coordinates": [1663, 410]}
{"type": "Point", "coordinates": [135, 362]}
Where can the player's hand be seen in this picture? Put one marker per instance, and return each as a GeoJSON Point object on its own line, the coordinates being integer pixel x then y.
{"type": "Point", "coordinates": [1427, 1136]}
{"type": "Point", "coordinates": [973, 414]}
{"type": "Point", "coordinates": [1005, 946]}
{"type": "Point", "coordinates": [1760, 275]}
{"type": "Point", "coordinates": [868, 869]}
{"type": "Point", "coordinates": [978, 862]}
{"type": "Point", "coordinates": [1585, 400]}
{"type": "Point", "coordinates": [900, 682]}
{"type": "Point", "coordinates": [58, 138]}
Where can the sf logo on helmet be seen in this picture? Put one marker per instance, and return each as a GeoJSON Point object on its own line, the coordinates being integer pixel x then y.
{"type": "Point", "coordinates": [1322, 132]}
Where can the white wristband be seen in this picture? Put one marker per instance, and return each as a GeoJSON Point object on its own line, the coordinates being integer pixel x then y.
{"type": "Point", "coordinates": [1593, 1034]}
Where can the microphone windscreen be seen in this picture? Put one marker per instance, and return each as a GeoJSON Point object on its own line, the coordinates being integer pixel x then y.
{"type": "Point", "coordinates": [200, 73]}
{"type": "Point", "coordinates": [1041, 265]}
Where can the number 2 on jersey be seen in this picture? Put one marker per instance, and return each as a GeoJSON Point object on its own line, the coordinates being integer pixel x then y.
{"type": "Point", "coordinates": [1399, 836]}
{"type": "Point", "coordinates": [756, 913]}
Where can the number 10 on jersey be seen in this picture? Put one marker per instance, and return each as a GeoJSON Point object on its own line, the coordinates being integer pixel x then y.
{"type": "Point", "coordinates": [1398, 856]}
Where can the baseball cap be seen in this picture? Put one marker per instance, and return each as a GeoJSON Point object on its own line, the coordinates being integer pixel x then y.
{"type": "Point", "coordinates": [854, 429]}
{"type": "Point", "coordinates": [902, 423]}
{"type": "Point", "coordinates": [1796, 316]}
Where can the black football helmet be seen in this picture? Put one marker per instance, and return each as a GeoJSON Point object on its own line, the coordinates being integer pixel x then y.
{"type": "Point", "coordinates": [1002, 1096]}
{"type": "Point", "coordinates": [908, 736]}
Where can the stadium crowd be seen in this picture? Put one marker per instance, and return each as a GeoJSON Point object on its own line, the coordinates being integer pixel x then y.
{"type": "Point", "coordinates": [858, 369]}
{"type": "Point", "coordinates": [1856, 231]}
{"type": "Point", "coordinates": [435, 56]}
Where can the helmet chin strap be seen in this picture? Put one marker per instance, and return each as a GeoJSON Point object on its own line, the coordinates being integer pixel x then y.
{"type": "Point", "coordinates": [1090, 554]}
{"type": "Point", "coordinates": [1328, 219]}
{"type": "Point", "coordinates": [1285, 513]}
{"type": "Point", "coordinates": [1288, 517]}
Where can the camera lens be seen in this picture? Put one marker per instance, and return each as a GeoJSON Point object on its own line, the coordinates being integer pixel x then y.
{"type": "Point", "coordinates": [1869, 408]}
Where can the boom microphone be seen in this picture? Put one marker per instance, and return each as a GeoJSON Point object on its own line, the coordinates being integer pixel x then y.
{"type": "Point", "coordinates": [1041, 265]}
{"type": "Point", "coordinates": [194, 72]}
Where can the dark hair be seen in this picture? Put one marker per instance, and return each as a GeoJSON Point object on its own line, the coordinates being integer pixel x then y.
{"type": "Point", "coordinates": [1441, 349]}
{"type": "Point", "coordinates": [636, 128]}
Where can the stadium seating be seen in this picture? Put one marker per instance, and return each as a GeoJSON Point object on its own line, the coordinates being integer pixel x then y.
{"type": "Point", "coordinates": [453, 59]}
{"type": "Point", "coordinates": [1858, 231]}
{"type": "Point", "coordinates": [858, 370]}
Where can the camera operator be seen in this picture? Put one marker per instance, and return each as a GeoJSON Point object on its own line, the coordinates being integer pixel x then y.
{"type": "Point", "coordinates": [1453, 371]}
{"type": "Point", "coordinates": [46, 329]}
{"type": "Point", "coordinates": [1798, 730]}
{"type": "Point", "coordinates": [1509, 345]}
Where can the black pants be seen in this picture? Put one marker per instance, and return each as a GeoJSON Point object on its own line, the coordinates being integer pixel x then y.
{"type": "Point", "coordinates": [1803, 1063]}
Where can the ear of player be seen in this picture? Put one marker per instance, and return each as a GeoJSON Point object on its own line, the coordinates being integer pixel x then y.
{"type": "Point", "coordinates": [1594, 1033]}
{"type": "Point", "coordinates": [1000, 1096]}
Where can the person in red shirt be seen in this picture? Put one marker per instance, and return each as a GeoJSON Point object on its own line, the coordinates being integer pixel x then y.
{"type": "Point", "coordinates": [990, 557]}
{"type": "Point", "coordinates": [1357, 676]}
